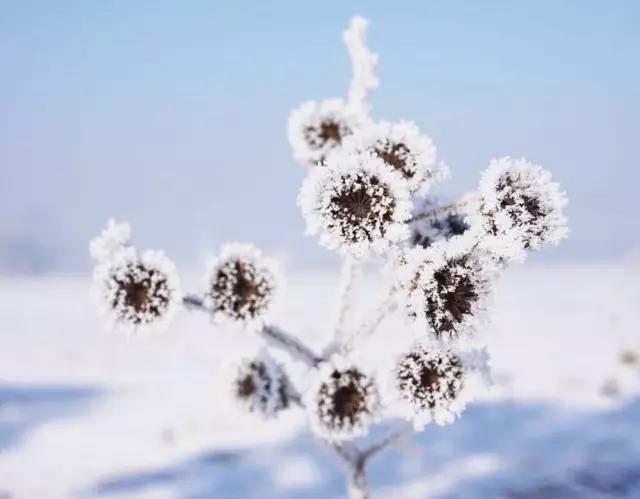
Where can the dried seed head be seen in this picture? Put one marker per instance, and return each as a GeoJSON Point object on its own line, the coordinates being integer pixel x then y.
{"type": "Point", "coordinates": [260, 385]}
{"type": "Point", "coordinates": [444, 224]}
{"type": "Point", "coordinates": [241, 284]}
{"type": "Point", "coordinates": [447, 286]}
{"type": "Point", "coordinates": [519, 207]}
{"type": "Point", "coordinates": [343, 401]}
{"type": "Point", "coordinates": [356, 204]}
{"type": "Point", "coordinates": [403, 149]}
{"type": "Point", "coordinates": [137, 292]}
{"type": "Point", "coordinates": [318, 128]}
{"type": "Point", "coordinates": [434, 383]}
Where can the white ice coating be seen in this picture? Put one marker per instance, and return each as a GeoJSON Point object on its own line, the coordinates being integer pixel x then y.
{"type": "Point", "coordinates": [339, 228]}
{"type": "Point", "coordinates": [267, 391]}
{"type": "Point", "coordinates": [364, 64]}
{"type": "Point", "coordinates": [114, 237]}
{"type": "Point", "coordinates": [318, 398]}
{"type": "Point", "coordinates": [264, 274]}
{"type": "Point", "coordinates": [402, 142]}
{"type": "Point", "coordinates": [161, 280]}
{"type": "Point", "coordinates": [461, 376]}
{"type": "Point", "coordinates": [305, 129]}
{"type": "Point", "coordinates": [520, 207]}
{"type": "Point", "coordinates": [421, 291]}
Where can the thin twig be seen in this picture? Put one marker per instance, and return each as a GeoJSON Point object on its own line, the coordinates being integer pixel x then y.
{"type": "Point", "coordinates": [364, 64]}
{"type": "Point", "coordinates": [439, 210]}
{"type": "Point", "coordinates": [294, 347]}
{"type": "Point", "coordinates": [367, 454]}
{"type": "Point", "coordinates": [273, 334]}
{"type": "Point", "coordinates": [194, 302]}
{"type": "Point", "coordinates": [373, 320]}
{"type": "Point", "coordinates": [348, 274]}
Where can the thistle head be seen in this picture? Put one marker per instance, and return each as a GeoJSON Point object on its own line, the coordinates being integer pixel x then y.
{"type": "Point", "coordinates": [241, 284]}
{"type": "Point", "coordinates": [137, 292]}
{"type": "Point", "coordinates": [261, 386]}
{"type": "Point", "coordinates": [446, 287]}
{"type": "Point", "coordinates": [434, 383]}
{"type": "Point", "coordinates": [356, 204]}
{"type": "Point", "coordinates": [343, 401]}
{"type": "Point", "coordinates": [519, 208]}
{"type": "Point", "coordinates": [403, 149]}
{"type": "Point", "coordinates": [316, 129]}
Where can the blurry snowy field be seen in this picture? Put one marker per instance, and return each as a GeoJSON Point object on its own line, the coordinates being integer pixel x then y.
{"type": "Point", "coordinates": [87, 413]}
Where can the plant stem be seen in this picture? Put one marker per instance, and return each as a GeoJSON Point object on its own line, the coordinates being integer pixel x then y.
{"type": "Point", "coordinates": [348, 273]}
{"type": "Point", "coordinates": [439, 210]}
{"type": "Point", "coordinates": [294, 347]}
{"type": "Point", "coordinates": [273, 334]}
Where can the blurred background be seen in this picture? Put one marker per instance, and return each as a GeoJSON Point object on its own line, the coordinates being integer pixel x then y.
{"type": "Point", "coordinates": [172, 115]}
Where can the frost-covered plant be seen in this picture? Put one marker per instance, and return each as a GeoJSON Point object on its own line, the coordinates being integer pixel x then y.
{"type": "Point", "coordinates": [367, 195]}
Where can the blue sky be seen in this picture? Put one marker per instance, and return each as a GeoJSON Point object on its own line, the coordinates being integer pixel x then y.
{"type": "Point", "coordinates": [173, 114]}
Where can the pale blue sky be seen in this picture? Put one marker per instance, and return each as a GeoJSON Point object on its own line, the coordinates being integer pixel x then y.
{"type": "Point", "coordinates": [173, 114]}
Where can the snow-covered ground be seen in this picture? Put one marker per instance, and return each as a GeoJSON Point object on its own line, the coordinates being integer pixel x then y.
{"type": "Point", "coordinates": [87, 413]}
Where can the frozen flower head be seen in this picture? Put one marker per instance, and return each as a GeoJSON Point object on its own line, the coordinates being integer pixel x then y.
{"type": "Point", "coordinates": [446, 286]}
{"type": "Point", "coordinates": [356, 204]}
{"type": "Point", "coordinates": [138, 292]}
{"type": "Point", "coordinates": [442, 224]}
{"type": "Point", "coordinates": [260, 386]}
{"type": "Point", "coordinates": [241, 284]}
{"type": "Point", "coordinates": [403, 149]}
{"type": "Point", "coordinates": [434, 383]}
{"type": "Point", "coordinates": [343, 401]}
{"type": "Point", "coordinates": [520, 207]}
{"type": "Point", "coordinates": [113, 238]}
{"type": "Point", "coordinates": [317, 128]}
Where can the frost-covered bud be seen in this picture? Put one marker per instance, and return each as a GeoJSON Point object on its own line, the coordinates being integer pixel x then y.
{"type": "Point", "coordinates": [356, 204]}
{"type": "Point", "coordinates": [434, 383]}
{"type": "Point", "coordinates": [403, 149]}
{"type": "Point", "coordinates": [261, 386]}
{"type": "Point", "coordinates": [241, 284]}
{"type": "Point", "coordinates": [317, 128]}
{"type": "Point", "coordinates": [342, 401]}
{"type": "Point", "coordinates": [112, 239]}
{"type": "Point", "coordinates": [443, 224]}
{"type": "Point", "coordinates": [447, 286]}
{"type": "Point", "coordinates": [519, 207]}
{"type": "Point", "coordinates": [137, 292]}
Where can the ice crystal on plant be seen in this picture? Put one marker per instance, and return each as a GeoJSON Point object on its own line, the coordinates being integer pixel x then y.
{"type": "Point", "coordinates": [446, 286]}
{"type": "Point", "coordinates": [403, 149]}
{"type": "Point", "coordinates": [138, 292]}
{"type": "Point", "coordinates": [318, 128]}
{"type": "Point", "coordinates": [114, 237]}
{"type": "Point", "coordinates": [342, 401]}
{"type": "Point", "coordinates": [434, 382]}
{"type": "Point", "coordinates": [260, 385]}
{"type": "Point", "coordinates": [364, 64]}
{"type": "Point", "coordinates": [356, 204]}
{"type": "Point", "coordinates": [241, 284]}
{"type": "Point", "coordinates": [519, 207]}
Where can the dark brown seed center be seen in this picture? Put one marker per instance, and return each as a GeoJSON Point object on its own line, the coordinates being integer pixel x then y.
{"type": "Point", "coordinates": [347, 401]}
{"type": "Point", "coordinates": [244, 288]}
{"type": "Point", "coordinates": [355, 202]}
{"type": "Point", "coordinates": [428, 377]}
{"type": "Point", "coordinates": [246, 387]}
{"type": "Point", "coordinates": [396, 156]}
{"type": "Point", "coordinates": [329, 130]}
{"type": "Point", "coordinates": [137, 294]}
